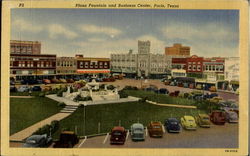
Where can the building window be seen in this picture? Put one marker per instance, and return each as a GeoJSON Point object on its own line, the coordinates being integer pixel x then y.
{"type": "Point", "coordinates": [199, 68]}
{"type": "Point", "coordinates": [189, 67]}
{"type": "Point", "coordinates": [194, 68]}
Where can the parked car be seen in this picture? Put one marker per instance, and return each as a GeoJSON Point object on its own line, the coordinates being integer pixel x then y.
{"type": "Point", "coordinates": [12, 82]}
{"type": "Point", "coordinates": [137, 132]}
{"type": "Point", "coordinates": [62, 81]}
{"type": "Point", "coordinates": [180, 84]}
{"type": "Point", "coordinates": [174, 94]}
{"type": "Point", "coordinates": [198, 86]}
{"type": "Point", "coordinates": [47, 88]}
{"type": "Point", "coordinates": [13, 89]}
{"type": "Point", "coordinates": [215, 99]}
{"type": "Point", "coordinates": [23, 89]}
{"type": "Point", "coordinates": [67, 140]}
{"type": "Point", "coordinates": [46, 81]}
{"type": "Point", "coordinates": [231, 116]}
{"type": "Point", "coordinates": [118, 135]}
{"type": "Point", "coordinates": [212, 89]}
{"type": "Point", "coordinates": [163, 91]}
{"type": "Point", "coordinates": [36, 88]}
{"type": "Point", "coordinates": [218, 117]}
{"type": "Point", "coordinates": [70, 80]}
{"type": "Point", "coordinates": [38, 141]}
{"type": "Point", "coordinates": [229, 105]}
{"type": "Point", "coordinates": [203, 120]}
{"type": "Point", "coordinates": [185, 85]}
{"type": "Point", "coordinates": [54, 80]}
{"type": "Point", "coordinates": [155, 129]}
{"type": "Point", "coordinates": [167, 82]}
{"type": "Point", "coordinates": [29, 81]}
{"type": "Point", "coordinates": [172, 125]}
{"type": "Point", "coordinates": [172, 83]}
{"type": "Point", "coordinates": [188, 122]}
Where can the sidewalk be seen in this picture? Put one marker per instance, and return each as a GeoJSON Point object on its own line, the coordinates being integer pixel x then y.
{"type": "Point", "coordinates": [21, 135]}
{"type": "Point", "coordinates": [171, 105]}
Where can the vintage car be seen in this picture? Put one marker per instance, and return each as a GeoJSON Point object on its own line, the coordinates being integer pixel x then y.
{"type": "Point", "coordinates": [118, 135]}
{"type": "Point", "coordinates": [62, 81]}
{"type": "Point", "coordinates": [203, 120]}
{"type": "Point", "coordinates": [54, 80]}
{"type": "Point", "coordinates": [46, 81]}
{"type": "Point", "coordinates": [188, 122]}
{"type": "Point", "coordinates": [167, 82]}
{"type": "Point", "coordinates": [36, 88]}
{"type": "Point", "coordinates": [137, 132]}
{"type": "Point", "coordinates": [155, 129]}
{"type": "Point", "coordinates": [163, 91]}
{"type": "Point", "coordinates": [13, 89]}
{"type": "Point", "coordinates": [172, 125]}
{"type": "Point", "coordinates": [23, 89]}
{"type": "Point", "coordinates": [231, 116]}
{"type": "Point", "coordinates": [67, 140]}
{"type": "Point", "coordinates": [38, 141]}
{"type": "Point", "coordinates": [47, 88]}
{"type": "Point", "coordinates": [198, 86]}
{"type": "Point", "coordinates": [70, 80]}
{"type": "Point", "coordinates": [212, 89]}
{"type": "Point", "coordinates": [218, 117]}
{"type": "Point", "coordinates": [215, 99]}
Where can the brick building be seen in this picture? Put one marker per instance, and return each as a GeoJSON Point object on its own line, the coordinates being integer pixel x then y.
{"type": "Point", "coordinates": [32, 64]}
{"type": "Point", "coordinates": [25, 47]}
{"type": "Point", "coordinates": [177, 50]}
{"type": "Point", "coordinates": [66, 65]}
{"type": "Point", "coordinates": [92, 66]}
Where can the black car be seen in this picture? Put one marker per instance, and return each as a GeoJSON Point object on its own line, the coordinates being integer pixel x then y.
{"type": "Point", "coordinates": [13, 89]}
{"type": "Point", "coordinates": [36, 88]}
{"type": "Point", "coordinates": [172, 125]}
{"type": "Point", "coordinates": [29, 81]}
{"type": "Point", "coordinates": [163, 91]}
{"type": "Point", "coordinates": [38, 141]}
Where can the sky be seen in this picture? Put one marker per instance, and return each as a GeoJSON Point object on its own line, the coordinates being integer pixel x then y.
{"type": "Point", "coordinates": [100, 32]}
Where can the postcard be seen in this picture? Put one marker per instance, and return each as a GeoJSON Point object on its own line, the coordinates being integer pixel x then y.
{"type": "Point", "coordinates": [127, 77]}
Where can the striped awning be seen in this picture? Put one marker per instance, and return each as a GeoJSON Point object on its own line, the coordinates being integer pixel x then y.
{"type": "Point", "coordinates": [93, 71]}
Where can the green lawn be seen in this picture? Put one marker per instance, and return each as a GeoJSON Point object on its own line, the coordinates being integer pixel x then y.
{"type": "Point", "coordinates": [110, 114]}
{"type": "Point", "coordinates": [25, 112]}
{"type": "Point", "coordinates": [160, 98]}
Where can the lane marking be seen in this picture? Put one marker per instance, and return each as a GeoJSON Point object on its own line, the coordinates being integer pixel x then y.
{"type": "Point", "coordinates": [85, 138]}
{"type": "Point", "coordinates": [127, 135]}
{"type": "Point", "coordinates": [104, 141]}
{"type": "Point", "coordinates": [163, 129]}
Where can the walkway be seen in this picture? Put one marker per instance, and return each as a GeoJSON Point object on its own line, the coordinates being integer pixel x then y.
{"type": "Point", "coordinates": [24, 97]}
{"type": "Point", "coordinates": [21, 135]}
{"type": "Point", "coordinates": [171, 105]}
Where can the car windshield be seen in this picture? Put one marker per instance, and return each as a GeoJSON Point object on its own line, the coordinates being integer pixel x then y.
{"type": "Point", "coordinates": [174, 123]}
{"type": "Point", "coordinates": [157, 127]}
{"type": "Point", "coordinates": [117, 133]}
{"type": "Point", "coordinates": [205, 118]}
{"type": "Point", "coordinates": [31, 141]}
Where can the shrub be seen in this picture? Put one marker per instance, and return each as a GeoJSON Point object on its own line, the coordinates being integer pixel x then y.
{"type": "Point", "coordinates": [61, 104]}
{"type": "Point", "coordinates": [122, 94]}
{"type": "Point", "coordinates": [71, 90]}
{"type": "Point", "coordinates": [42, 94]}
{"type": "Point", "coordinates": [60, 93]}
{"type": "Point", "coordinates": [79, 98]}
{"type": "Point", "coordinates": [130, 88]}
{"type": "Point", "coordinates": [110, 87]}
{"type": "Point", "coordinates": [102, 86]}
{"type": "Point", "coordinates": [53, 127]}
{"type": "Point", "coordinates": [143, 99]}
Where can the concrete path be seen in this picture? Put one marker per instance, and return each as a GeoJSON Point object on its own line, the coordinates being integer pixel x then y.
{"type": "Point", "coordinates": [62, 99]}
{"type": "Point", "coordinates": [21, 135]}
{"type": "Point", "coordinates": [171, 105]}
{"type": "Point", "coordinates": [24, 97]}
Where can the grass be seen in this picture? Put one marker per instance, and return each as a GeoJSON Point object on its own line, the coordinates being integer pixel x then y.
{"type": "Point", "coordinates": [109, 115]}
{"type": "Point", "coordinates": [26, 112]}
{"type": "Point", "coordinates": [34, 93]}
{"type": "Point", "coordinates": [160, 98]}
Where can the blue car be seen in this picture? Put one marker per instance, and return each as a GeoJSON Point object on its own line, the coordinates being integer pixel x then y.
{"type": "Point", "coordinates": [172, 125]}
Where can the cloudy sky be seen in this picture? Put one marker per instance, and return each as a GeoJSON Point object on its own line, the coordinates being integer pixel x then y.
{"type": "Point", "coordinates": [99, 32]}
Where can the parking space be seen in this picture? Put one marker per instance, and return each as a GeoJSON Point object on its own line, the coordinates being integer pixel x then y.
{"type": "Point", "coordinates": [217, 136]}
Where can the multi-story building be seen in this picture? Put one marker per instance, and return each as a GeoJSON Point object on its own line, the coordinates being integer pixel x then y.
{"type": "Point", "coordinates": [92, 66]}
{"type": "Point", "coordinates": [232, 68]}
{"type": "Point", "coordinates": [25, 47]}
{"type": "Point", "coordinates": [194, 66]}
{"type": "Point", "coordinates": [143, 63]}
{"type": "Point", "coordinates": [66, 65]}
{"type": "Point", "coordinates": [124, 63]}
{"type": "Point", "coordinates": [179, 63]}
{"type": "Point", "coordinates": [177, 50]}
{"type": "Point", "coordinates": [213, 68]}
{"type": "Point", "coordinates": [32, 64]}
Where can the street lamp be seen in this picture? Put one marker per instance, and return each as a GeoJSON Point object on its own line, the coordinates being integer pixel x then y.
{"type": "Point", "coordinates": [84, 114]}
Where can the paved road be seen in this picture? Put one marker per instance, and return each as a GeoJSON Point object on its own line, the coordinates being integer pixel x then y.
{"type": "Point", "coordinates": [159, 84]}
{"type": "Point", "coordinates": [215, 137]}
